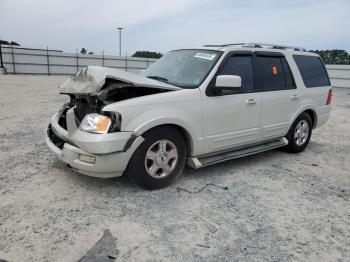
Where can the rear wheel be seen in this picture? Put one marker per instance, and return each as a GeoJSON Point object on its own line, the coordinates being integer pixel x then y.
{"type": "Point", "coordinates": [299, 133]}
{"type": "Point", "coordinates": [159, 160]}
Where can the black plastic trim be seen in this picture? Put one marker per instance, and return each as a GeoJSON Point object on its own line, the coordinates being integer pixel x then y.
{"type": "Point", "coordinates": [270, 54]}
{"type": "Point", "coordinates": [129, 142]}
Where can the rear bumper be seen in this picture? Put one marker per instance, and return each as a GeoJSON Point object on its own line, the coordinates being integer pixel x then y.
{"type": "Point", "coordinates": [111, 152]}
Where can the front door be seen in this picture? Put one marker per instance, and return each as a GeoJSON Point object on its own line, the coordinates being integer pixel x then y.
{"type": "Point", "coordinates": [231, 120]}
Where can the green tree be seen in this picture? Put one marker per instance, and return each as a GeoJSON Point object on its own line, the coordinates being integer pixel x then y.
{"type": "Point", "coordinates": [83, 51]}
{"type": "Point", "coordinates": [14, 43]}
{"type": "Point", "coordinates": [147, 54]}
{"type": "Point", "coordinates": [3, 42]}
{"type": "Point", "coordinates": [335, 57]}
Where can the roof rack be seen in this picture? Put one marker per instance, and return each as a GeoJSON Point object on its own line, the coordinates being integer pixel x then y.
{"type": "Point", "coordinates": [261, 45]}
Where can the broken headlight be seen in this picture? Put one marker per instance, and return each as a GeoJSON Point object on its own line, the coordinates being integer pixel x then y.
{"type": "Point", "coordinates": [95, 123]}
{"type": "Point", "coordinates": [116, 119]}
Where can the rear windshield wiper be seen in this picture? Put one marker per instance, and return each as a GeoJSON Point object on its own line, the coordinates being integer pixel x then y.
{"type": "Point", "coordinates": [159, 78]}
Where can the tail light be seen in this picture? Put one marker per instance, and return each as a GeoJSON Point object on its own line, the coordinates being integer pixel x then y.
{"type": "Point", "coordinates": [329, 97]}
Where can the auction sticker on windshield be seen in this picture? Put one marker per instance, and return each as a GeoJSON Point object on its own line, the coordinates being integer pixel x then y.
{"type": "Point", "coordinates": [205, 56]}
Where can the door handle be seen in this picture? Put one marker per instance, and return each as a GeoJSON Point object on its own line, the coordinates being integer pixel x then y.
{"type": "Point", "coordinates": [251, 101]}
{"type": "Point", "coordinates": [294, 97]}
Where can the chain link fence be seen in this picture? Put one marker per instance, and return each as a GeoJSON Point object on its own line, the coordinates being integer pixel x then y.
{"type": "Point", "coordinates": [339, 75]}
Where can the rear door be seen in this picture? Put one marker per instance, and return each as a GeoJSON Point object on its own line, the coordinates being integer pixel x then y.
{"type": "Point", "coordinates": [279, 95]}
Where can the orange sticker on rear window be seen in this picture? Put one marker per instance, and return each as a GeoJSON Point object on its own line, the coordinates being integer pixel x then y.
{"type": "Point", "coordinates": [274, 70]}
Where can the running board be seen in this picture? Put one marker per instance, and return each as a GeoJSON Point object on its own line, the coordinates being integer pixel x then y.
{"type": "Point", "coordinates": [196, 163]}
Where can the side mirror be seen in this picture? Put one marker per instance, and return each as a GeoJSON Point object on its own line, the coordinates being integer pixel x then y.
{"type": "Point", "coordinates": [228, 82]}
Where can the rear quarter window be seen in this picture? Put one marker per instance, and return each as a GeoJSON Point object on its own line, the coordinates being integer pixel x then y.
{"type": "Point", "coordinates": [312, 70]}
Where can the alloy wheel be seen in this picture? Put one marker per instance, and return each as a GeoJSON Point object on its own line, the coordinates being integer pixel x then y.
{"type": "Point", "coordinates": [301, 132]}
{"type": "Point", "coordinates": [161, 158]}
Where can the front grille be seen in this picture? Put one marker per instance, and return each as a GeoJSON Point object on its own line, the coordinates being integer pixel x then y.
{"type": "Point", "coordinates": [55, 139]}
{"type": "Point", "coordinates": [85, 106]}
{"type": "Point", "coordinates": [82, 107]}
{"type": "Point", "coordinates": [62, 115]}
{"type": "Point", "coordinates": [62, 121]}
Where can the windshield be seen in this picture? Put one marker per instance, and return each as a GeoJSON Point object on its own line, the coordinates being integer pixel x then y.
{"type": "Point", "coordinates": [183, 68]}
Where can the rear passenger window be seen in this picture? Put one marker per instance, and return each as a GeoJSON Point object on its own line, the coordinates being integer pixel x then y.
{"type": "Point", "coordinates": [274, 74]}
{"type": "Point", "coordinates": [312, 70]}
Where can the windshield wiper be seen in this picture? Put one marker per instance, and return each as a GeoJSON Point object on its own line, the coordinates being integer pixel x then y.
{"type": "Point", "coordinates": [159, 78]}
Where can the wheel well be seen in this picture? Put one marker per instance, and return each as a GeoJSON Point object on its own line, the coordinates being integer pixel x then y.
{"type": "Point", "coordinates": [313, 116]}
{"type": "Point", "coordinates": [185, 134]}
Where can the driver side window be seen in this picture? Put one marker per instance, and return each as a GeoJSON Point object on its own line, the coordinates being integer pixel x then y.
{"type": "Point", "coordinates": [241, 65]}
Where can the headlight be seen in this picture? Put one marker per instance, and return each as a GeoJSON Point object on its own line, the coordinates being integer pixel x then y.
{"type": "Point", "coordinates": [95, 123]}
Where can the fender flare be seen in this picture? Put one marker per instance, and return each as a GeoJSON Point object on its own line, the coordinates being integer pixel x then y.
{"type": "Point", "coordinates": [188, 130]}
{"type": "Point", "coordinates": [300, 111]}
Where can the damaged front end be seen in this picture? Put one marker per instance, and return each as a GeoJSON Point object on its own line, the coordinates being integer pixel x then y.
{"type": "Point", "coordinates": [89, 139]}
{"type": "Point", "coordinates": [92, 88]}
{"type": "Point", "coordinates": [100, 155]}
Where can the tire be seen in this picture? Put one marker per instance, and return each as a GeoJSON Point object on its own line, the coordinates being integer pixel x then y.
{"type": "Point", "coordinates": [299, 133]}
{"type": "Point", "coordinates": [159, 160]}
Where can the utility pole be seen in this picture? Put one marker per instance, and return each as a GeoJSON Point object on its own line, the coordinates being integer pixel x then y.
{"type": "Point", "coordinates": [120, 40]}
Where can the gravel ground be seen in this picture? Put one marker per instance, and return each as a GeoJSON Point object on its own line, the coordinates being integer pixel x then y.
{"type": "Point", "coordinates": [278, 206]}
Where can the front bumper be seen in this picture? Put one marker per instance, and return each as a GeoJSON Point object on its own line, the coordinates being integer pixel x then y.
{"type": "Point", "coordinates": [112, 152]}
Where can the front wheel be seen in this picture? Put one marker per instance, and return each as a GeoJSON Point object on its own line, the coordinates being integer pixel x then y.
{"type": "Point", "coordinates": [159, 160]}
{"type": "Point", "coordinates": [299, 133]}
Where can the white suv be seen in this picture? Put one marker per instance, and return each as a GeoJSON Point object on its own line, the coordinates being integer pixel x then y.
{"type": "Point", "coordinates": [200, 106]}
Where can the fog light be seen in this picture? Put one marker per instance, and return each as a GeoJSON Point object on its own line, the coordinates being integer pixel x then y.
{"type": "Point", "coordinates": [87, 159]}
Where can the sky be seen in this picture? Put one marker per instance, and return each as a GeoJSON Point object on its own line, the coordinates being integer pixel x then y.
{"type": "Point", "coordinates": [160, 25]}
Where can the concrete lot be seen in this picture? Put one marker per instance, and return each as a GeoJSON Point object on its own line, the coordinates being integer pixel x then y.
{"type": "Point", "coordinates": [278, 206]}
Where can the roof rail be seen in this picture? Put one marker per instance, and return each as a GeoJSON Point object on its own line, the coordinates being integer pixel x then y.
{"type": "Point", "coordinates": [261, 45]}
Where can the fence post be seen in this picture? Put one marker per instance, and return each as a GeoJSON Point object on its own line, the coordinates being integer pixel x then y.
{"type": "Point", "coordinates": [13, 60]}
{"type": "Point", "coordinates": [77, 61]}
{"type": "Point", "coordinates": [48, 60]}
{"type": "Point", "coordinates": [3, 70]}
{"type": "Point", "coordinates": [147, 62]}
{"type": "Point", "coordinates": [126, 62]}
{"type": "Point", "coordinates": [103, 58]}
{"type": "Point", "coordinates": [1, 62]}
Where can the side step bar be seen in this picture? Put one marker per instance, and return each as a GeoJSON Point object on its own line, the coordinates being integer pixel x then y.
{"type": "Point", "coordinates": [196, 163]}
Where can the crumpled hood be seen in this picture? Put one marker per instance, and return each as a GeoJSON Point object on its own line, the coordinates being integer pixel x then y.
{"type": "Point", "coordinates": [91, 79]}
